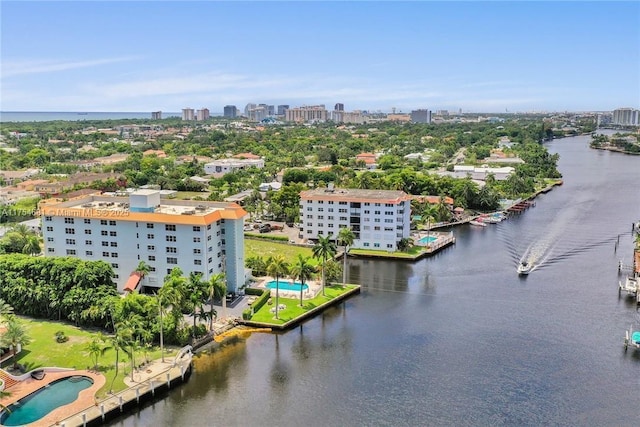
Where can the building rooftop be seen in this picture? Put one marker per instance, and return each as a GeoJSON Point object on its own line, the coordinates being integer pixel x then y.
{"type": "Point", "coordinates": [357, 195]}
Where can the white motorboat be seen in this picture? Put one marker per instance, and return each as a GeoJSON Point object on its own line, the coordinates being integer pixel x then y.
{"type": "Point", "coordinates": [524, 268]}
{"type": "Point", "coordinates": [630, 285]}
{"type": "Point", "coordinates": [478, 223]}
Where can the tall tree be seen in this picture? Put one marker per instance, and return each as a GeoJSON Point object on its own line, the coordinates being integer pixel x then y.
{"type": "Point", "coordinates": [277, 268]}
{"type": "Point", "coordinates": [195, 297]}
{"type": "Point", "coordinates": [323, 250]}
{"type": "Point", "coordinates": [216, 288]}
{"type": "Point", "coordinates": [15, 336]}
{"type": "Point", "coordinates": [303, 271]}
{"type": "Point", "coordinates": [345, 236]}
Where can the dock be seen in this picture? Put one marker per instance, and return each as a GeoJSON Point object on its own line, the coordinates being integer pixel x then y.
{"type": "Point", "coordinates": [145, 388]}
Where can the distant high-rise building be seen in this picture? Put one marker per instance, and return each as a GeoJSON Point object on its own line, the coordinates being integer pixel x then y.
{"type": "Point", "coordinates": [156, 115]}
{"type": "Point", "coordinates": [626, 117]}
{"type": "Point", "coordinates": [313, 113]}
{"type": "Point", "coordinates": [188, 114]}
{"type": "Point", "coordinates": [421, 116]}
{"type": "Point", "coordinates": [202, 114]}
{"type": "Point", "coordinates": [230, 112]}
{"type": "Point", "coordinates": [271, 110]}
{"type": "Point", "coordinates": [282, 109]}
{"type": "Point", "coordinates": [249, 106]}
{"type": "Point", "coordinates": [339, 107]}
{"type": "Point", "coordinates": [258, 113]}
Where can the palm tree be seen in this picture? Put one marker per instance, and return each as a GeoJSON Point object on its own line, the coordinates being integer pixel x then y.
{"type": "Point", "coordinates": [324, 250]}
{"type": "Point", "coordinates": [143, 269]}
{"type": "Point", "coordinates": [277, 268]}
{"type": "Point", "coordinates": [346, 237]}
{"type": "Point", "coordinates": [217, 288]}
{"type": "Point", "coordinates": [195, 291]}
{"type": "Point", "coordinates": [168, 295]}
{"type": "Point", "coordinates": [15, 336]}
{"type": "Point", "coordinates": [96, 349]}
{"type": "Point", "coordinates": [5, 310]}
{"type": "Point", "coordinates": [302, 270]}
{"type": "Point", "coordinates": [31, 245]}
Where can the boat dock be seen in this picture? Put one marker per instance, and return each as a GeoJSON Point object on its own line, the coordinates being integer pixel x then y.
{"type": "Point", "coordinates": [520, 207]}
{"type": "Point", "coordinates": [145, 386]}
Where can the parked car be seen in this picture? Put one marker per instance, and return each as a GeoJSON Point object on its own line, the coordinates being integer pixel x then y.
{"type": "Point", "coordinates": [265, 228]}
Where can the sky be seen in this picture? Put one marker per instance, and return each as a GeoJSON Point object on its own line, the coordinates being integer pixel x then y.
{"type": "Point", "coordinates": [167, 55]}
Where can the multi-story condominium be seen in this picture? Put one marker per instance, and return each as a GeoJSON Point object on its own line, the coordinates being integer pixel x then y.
{"type": "Point", "coordinates": [340, 116]}
{"type": "Point", "coordinates": [258, 113]}
{"type": "Point", "coordinates": [230, 112]}
{"type": "Point", "coordinates": [248, 107]}
{"type": "Point", "coordinates": [188, 114]}
{"type": "Point", "coordinates": [282, 109]}
{"type": "Point", "coordinates": [378, 218]}
{"type": "Point", "coordinates": [421, 116]}
{"type": "Point", "coordinates": [156, 115]}
{"type": "Point", "coordinates": [626, 117]}
{"type": "Point", "coordinates": [314, 113]}
{"type": "Point", "coordinates": [197, 236]}
{"type": "Point", "coordinates": [202, 114]}
{"type": "Point", "coordinates": [230, 165]}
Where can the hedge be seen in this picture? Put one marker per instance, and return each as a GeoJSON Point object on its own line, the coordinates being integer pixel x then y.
{"type": "Point", "coordinates": [267, 237]}
{"type": "Point", "coordinates": [265, 294]}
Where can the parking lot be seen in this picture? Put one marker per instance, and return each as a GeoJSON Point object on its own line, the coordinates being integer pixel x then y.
{"type": "Point", "coordinates": [275, 228]}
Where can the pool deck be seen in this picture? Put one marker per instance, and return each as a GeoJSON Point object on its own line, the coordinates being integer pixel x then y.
{"type": "Point", "coordinates": [86, 397]}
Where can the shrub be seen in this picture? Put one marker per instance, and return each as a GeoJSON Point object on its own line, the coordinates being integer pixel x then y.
{"type": "Point", "coordinates": [267, 237]}
{"type": "Point", "coordinates": [261, 300]}
{"type": "Point", "coordinates": [61, 337]}
{"type": "Point", "coordinates": [246, 314]}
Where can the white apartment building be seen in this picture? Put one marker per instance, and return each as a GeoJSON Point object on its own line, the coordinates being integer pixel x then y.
{"type": "Point", "coordinates": [197, 236]}
{"type": "Point", "coordinates": [188, 114]}
{"type": "Point", "coordinates": [313, 113]}
{"type": "Point", "coordinates": [378, 218]}
{"type": "Point", "coordinates": [481, 173]}
{"type": "Point", "coordinates": [230, 165]}
{"type": "Point", "coordinates": [626, 117]}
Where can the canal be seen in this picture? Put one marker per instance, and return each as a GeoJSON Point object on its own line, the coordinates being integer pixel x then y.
{"type": "Point", "coordinates": [458, 338]}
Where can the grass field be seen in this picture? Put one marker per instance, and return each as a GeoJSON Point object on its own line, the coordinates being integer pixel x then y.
{"type": "Point", "coordinates": [44, 351]}
{"type": "Point", "coordinates": [293, 309]}
{"type": "Point", "coordinates": [266, 249]}
{"type": "Point", "coordinates": [410, 253]}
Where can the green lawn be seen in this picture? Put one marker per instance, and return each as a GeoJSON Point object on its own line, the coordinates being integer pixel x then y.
{"type": "Point", "coordinates": [410, 253]}
{"type": "Point", "coordinates": [188, 195]}
{"type": "Point", "coordinates": [293, 309]}
{"type": "Point", "coordinates": [44, 351]}
{"type": "Point", "coordinates": [267, 248]}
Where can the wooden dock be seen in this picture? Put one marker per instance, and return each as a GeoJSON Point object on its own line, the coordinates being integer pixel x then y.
{"type": "Point", "coordinates": [116, 404]}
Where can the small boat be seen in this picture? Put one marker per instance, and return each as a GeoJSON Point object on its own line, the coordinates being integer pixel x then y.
{"type": "Point", "coordinates": [630, 285]}
{"type": "Point", "coordinates": [632, 338]}
{"type": "Point", "coordinates": [524, 268]}
{"type": "Point", "coordinates": [478, 223]}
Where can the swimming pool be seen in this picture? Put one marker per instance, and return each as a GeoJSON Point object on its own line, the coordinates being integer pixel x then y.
{"type": "Point", "coordinates": [286, 285]}
{"type": "Point", "coordinates": [39, 403]}
{"type": "Point", "coordinates": [427, 239]}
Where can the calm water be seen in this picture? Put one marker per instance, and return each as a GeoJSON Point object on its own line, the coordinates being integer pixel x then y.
{"type": "Point", "coordinates": [456, 339]}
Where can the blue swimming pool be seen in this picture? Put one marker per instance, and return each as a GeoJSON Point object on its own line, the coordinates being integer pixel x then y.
{"type": "Point", "coordinates": [286, 285]}
{"type": "Point", "coordinates": [427, 239]}
{"type": "Point", "coordinates": [39, 403]}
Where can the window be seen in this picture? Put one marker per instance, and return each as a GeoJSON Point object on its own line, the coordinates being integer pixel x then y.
{"type": "Point", "coordinates": [197, 262]}
{"type": "Point", "coordinates": [71, 251]}
{"type": "Point", "coordinates": [209, 237]}
{"type": "Point", "coordinates": [223, 242]}
{"type": "Point", "coordinates": [197, 251]}
{"type": "Point", "coordinates": [48, 218]}
{"type": "Point", "coordinates": [170, 227]}
{"type": "Point", "coordinates": [330, 217]}
{"type": "Point", "coordinates": [320, 216]}
{"type": "Point", "coordinates": [196, 240]}
{"type": "Point", "coordinates": [114, 254]}
{"type": "Point", "coordinates": [388, 205]}
{"type": "Point", "coordinates": [49, 228]}
{"type": "Point", "coordinates": [88, 242]}
{"type": "Point", "coordinates": [87, 221]}
{"type": "Point", "coordinates": [105, 243]}
{"type": "Point", "coordinates": [171, 250]}
{"type": "Point", "coordinates": [330, 210]}
{"type": "Point", "coordinates": [210, 260]}
{"type": "Point", "coordinates": [309, 209]}
{"type": "Point", "coordinates": [343, 218]}
{"type": "Point", "coordinates": [87, 231]}
{"type": "Point", "coordinates": [388, 220]}
{"type": "Point", "coordinates": [210, 249]}
{"type": "Point", "coordinates": [50, 250]}
{"type": "Point", "coordinates": [105, 254]}
{"type": "Point", "coordinates": [366, 244]}
{"type": "Point", "coordinates": [196, 228]}
{"type": "Point", "coordinates": [114, 265]}
{"type": "Point", "coordinates": [377, 204]}
{"type": "Point", "coordinates": [88, 253]}
{"type": "Point", "coordinates": [367, 204]}
{"type": "Point", "coordinates": [376, 245]}
{"type": "Point", "coordinates": [103, 222]}
{"type": "Point", "coordinates": [71, 241]}
{"type": "Point", "coordinates": [70, 231]}
{"type": "Point", "coordinates": [68, 221]}
{"type": "Point", "coordinates": [330, 202]}
{"type": "Point", "coordinates": [171, 238]}
{"type": "Point", "coordinates": [150, 236]}
{"type": "Point", "coordinates": [152, 269]}
{"type": "Point", "coordinates": [112, 223]}
{"type": "Point", "coordinates": [113, 233]}
{"type": "Point", "coordinates": [49, 239]}
{"type": "Point", "coordinates": [376, 228]}
{"type": "Point", "coordinates": [209, 227]}
{"type": "Point", "coordinates": [114, 244]}
{"type": "Point", "coordinates": [171, 260]}
{"type": "Point", "coordinates": [388, 229]}
{"type": "Point", "coordinates": [320, 209]}
{"type": "Point", "coordinates": [320, 202]}
{"type": "Point", "coordinates": [342, 203]}
{"type": "Point", "coordinates": [116, 276]}
{"type": "Point", "coordinates": [342, 210]}
{"type": "Point", "coordinates": [389, 245]}
{"type": "Point", "coordinates": [376, 212]}
{"type": "Point", "coordinates": [376, 220]}
{"type": "Point", "coordinates": [151, 248]}
{"type": "Point", "coordinates": [152, 257]}
{"type": "Point", "coordinates": [321, 224]}
{"type": "Point", "coordinates": [366, 227]}
{"type": "Point", "coordinates": [388, 212]}
{"type": "Point", "coordinates": [104, 233]}
{"type": "Point", "coordinates": [149, 225]}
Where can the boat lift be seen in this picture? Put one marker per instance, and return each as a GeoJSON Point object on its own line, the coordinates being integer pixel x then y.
{"type": "Point", "coordinates": [631, 286]}
{"type": "Point", "coordinates": [632, 338]}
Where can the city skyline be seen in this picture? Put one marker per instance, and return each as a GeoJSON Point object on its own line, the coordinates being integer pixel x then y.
{"type": "Point", "coordinates": [481, 57]}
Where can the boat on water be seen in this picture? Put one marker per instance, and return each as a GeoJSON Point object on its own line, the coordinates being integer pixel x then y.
{"type": "Point", "coordinates": [478, 223]}
{"type": "Point", "coordinates": [524, 268]}
{"type": "Point", "coordinates": [631, 339]}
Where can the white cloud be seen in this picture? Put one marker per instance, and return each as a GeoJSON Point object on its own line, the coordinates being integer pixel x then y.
{"type": "Point", "coordinates": [22, 67]}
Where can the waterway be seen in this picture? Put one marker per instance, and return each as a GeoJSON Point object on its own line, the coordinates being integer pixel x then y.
{"type": "Point", "coordinates": [459, 338]}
